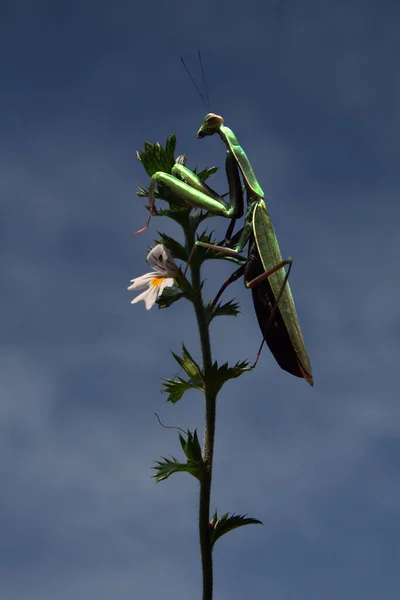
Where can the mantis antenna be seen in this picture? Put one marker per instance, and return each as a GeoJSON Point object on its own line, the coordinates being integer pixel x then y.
{"type": "Point", "coordinates": [206, 103]}
{"type": "Point", "coordinates": [204, 80]}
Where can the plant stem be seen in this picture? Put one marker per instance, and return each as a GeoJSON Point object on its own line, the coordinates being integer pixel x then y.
{"type": "Point", "coordinates": [209, 429]}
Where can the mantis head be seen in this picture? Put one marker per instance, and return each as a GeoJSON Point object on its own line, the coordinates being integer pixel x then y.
{"type": "Point", "coordinates": [211, 125]}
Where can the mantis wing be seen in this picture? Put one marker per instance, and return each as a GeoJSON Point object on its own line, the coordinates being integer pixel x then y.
{"type": "Point", "coordinates": [270, 255]}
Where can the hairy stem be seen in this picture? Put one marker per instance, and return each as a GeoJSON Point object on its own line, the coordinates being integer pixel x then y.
{"type": "Point", "coordinates": [209, 430]}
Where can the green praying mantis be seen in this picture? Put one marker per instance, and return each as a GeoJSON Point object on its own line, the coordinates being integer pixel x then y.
{"type": "Point", "coordinates": [263, 269]}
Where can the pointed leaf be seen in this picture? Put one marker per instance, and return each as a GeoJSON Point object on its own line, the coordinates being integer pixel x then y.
{"type": "Point", "coordinates": [198, 216]}
{"type": "Point", "coordinates": [143, 192]}
{"type": "Point", "coordinates": [170, 146]}
{"type": "Point", "coordinates": [228, 309]}
{"type": "Point", "coordinates": [175, 388]}
{"type": "Point", "coordinates": [200, 253]}
{"type": "Point", "coordinates": [190, 367]}
{"type": "Point", "coordinates": [155, 158]}
{"type": "Point", "coordinates": [191, 447]}
{"type": "Point", "coordinates": [167, 467]}
{"type": "Point", "coordinates": [220, 375]}
{"type": "Point", "coordinates": [194, 464]}
{"type": "Point", "coordinates": [168, 297]}
{"type": "Point", "coordinates": [214, 519]}
{"type": "Point", "coordinates": [206, 173]}
{"type": "Point", "coordinates": [226, 523]}
{"type": "Point", "coordinates": [178, 211]}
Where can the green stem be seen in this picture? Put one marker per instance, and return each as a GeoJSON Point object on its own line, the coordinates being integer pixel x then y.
{"type": "Point", "coordinates": [209, 429]}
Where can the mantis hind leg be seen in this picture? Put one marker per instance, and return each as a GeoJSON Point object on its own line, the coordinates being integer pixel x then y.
{"type": "Point", "coordinates": [260, 278]}
{"type": "Point", "coordinates": [234, 277]}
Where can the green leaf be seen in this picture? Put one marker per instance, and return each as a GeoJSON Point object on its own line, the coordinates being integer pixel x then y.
{"type": "Point", "coordinates": [167, 467]}
{"type": "Point", "coordinates": [220, 526]}
{"type": "Point", "coordinates": [191, 447]}
{"type": "Point", "coordinates": [206, 173]}
{"type": "Point", "coordinates": [190, 367]}
{"type": "Point", "coordinates": [196, 217]}
{"type": "Point", "coordinates": [220, 375]}
{"type": "Point", "coordinates": [143, 193]}
{"type": "Point", "coordinates": [194, 465]}
{"type": "Point", "coordinates": [206, 237]}
{"type": "Point", "coordinates": [168, 297]}
{"type": "Point", "coordinates": [178, 213]}
{"type": "Point", "coordinates": [200, 253]}
{"type": "Point", "coordinates": [175, 388]}
{"type": "Point", "coordinates": [170, 146]}
{"type": "Point", "coordinates": [228, 309]}
{"type": "Point", "coordinates": [155, 158]}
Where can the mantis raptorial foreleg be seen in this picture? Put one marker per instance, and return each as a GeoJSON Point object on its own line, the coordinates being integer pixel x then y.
{"type": "Point", "coordinates": [189, 188]}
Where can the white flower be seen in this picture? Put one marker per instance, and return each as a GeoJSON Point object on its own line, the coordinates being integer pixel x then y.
{"type": "Point", "coordinates": [163, 275]}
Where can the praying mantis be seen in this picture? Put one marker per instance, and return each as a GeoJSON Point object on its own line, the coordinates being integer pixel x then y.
{"type": "Point", "coordinates": [263, 269]}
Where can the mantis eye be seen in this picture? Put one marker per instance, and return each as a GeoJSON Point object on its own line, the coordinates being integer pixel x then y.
{"type": "Point", "coordinates": [213, 120]}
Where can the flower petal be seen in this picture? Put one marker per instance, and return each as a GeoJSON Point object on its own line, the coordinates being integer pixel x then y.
{"type": "Point", "coordinates": [160, 259]}
{"type": "Point", "coordinates": [167, 282]}
{"type": "Point", "coordinates": [141, 282]}
{"type": "Point", "coordinates": [157, 255]}
{"type": "Point", "coordinates": [141, 296]}
{"type": "Point", "coordinates": [163, 275]}
{"type": "Point", "coordinates": [151, 297]}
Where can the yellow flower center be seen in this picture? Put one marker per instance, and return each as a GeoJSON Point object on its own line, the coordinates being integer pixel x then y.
{"type": "Point", "coordinates": [157, 281]}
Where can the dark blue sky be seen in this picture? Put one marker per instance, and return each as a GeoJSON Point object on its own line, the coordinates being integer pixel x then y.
{"type": "Point", "coordinates": [312, 90]}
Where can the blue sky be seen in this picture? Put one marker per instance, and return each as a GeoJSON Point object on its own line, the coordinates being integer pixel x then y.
{"type": "Point", "coordinates": [311, 88]}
